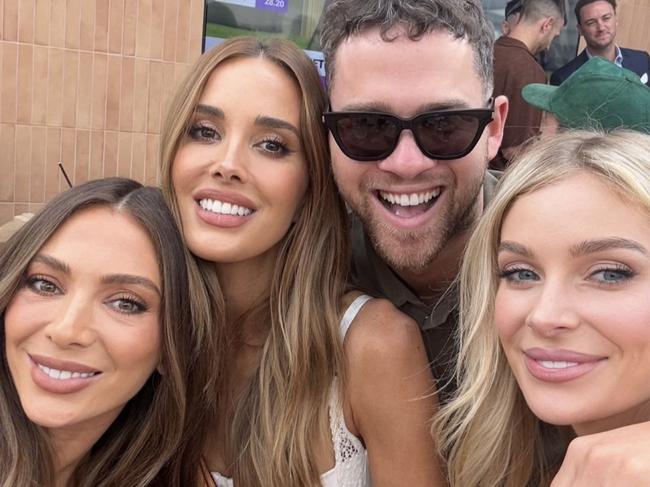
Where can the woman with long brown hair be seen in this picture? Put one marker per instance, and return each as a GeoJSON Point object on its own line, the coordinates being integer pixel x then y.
{"type": "Point", "coordinates": [97, 344]}
{"type": "Point", "coordinates": [300, 399]}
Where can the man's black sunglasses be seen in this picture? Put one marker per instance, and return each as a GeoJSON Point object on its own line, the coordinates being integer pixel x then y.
{"type": "Point", "coordinates": [442, 134]}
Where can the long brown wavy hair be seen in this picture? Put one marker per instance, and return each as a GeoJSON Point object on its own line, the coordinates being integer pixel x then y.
{"type": "Point", "coordinates": [145, 444]}
{"type": "Point", "coordinates": [273, 423]}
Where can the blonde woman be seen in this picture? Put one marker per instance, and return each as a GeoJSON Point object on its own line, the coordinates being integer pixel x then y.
{"type": "Point", "coordinates": [319, 386]}
{"type": "Point", "coordinates": [554, 312]}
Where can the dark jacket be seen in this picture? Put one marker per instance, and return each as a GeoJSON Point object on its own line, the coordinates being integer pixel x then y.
{"type": "Point", "coordinates": [636, 61]}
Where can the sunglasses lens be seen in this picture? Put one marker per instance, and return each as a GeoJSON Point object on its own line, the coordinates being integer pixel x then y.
{"type": "Point", "coordinates": [446, 135]}
{"type": "Point", "coordinates": [366, 136]}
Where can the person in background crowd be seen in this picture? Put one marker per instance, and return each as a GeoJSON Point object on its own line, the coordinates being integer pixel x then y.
{"type": "Point", "coordinates": [597, 24]}
{"type": "Point", "coordinates": [320, 386]}
{"type": "Point", "coordinates": [511, 16]}
{"type": "Point", "coordinates": [97, 369]}
{"type": "Point", "coordinates": [515, 66]}
{"type": "Point", "coordinates": [599, 95]}
{"type": "Point", "coordinates": [554, 315]}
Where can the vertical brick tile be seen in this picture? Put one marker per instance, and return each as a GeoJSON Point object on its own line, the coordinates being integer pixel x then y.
{"type": "Point", "coordinates": [26, 21]}
{"type": "Point", "coordinates": [23, 153]}
{"type": "Point", "coordinates": [143, 29]}
{"type": "Point", "coordinates": [115, 26]}
{"type": "Point", "coordinates": [39, 90]}
{"type": "Point", "coordinates": [57, 22]}
{"type": "Point", "coordinates": [101, 25]}
{"type": "Point", "coordinates": [151, 168]}
{"type": "Point", "coordinates": [139, 157]}
{"type": "Point", "coordinates": [113, 93]}
{"type": "Point", "coordinates": [42, 23]}
{"type": "Point", "coordinates": [125, 142]}
{"type": "Point", "coordinates": [96, 169]}
{"type": "Point", "coordinates": [10, 20]}
{"type": "Point", "coordinates": [126, 94]}
{"type": "Point", "coordinates": [20, 208]}
{"type": "Point", "coordinates": [37, 162]}
{"type": "Point", "coordinates": [81, 168]}
{"type": "Point", "coordinates": [6, 212]}
{"type": "Point", "coordinates": [8, 81]}
{"type": "Point", "coordinates": [169, 29]}
{"type": "Point", "coordinates": [71, 88]}
{"type": "Point", "coordinates": [168, 90]}
{"type": "Point", "coordinates": [35, 207]}
{"type": "Point", "coordinates": [140, 95]}
{"type": "Point", "coordinates": [2, 16]}
{"type": "Point", "coordinates": [87, 25]}
{"type": "Point", "coordinates": [7, 161]}
{"type": "Point", "coordinates": [157, 28]}
{"type": "Point", "coordinates": [53, 143]}
{"type": "Point", "coordinates": [55, 88]}
{"type": "Point", "coordinates": [98, 100]}
{"type": "Point", "coordinates": [183, 33]}
{"type": "Point", "coordinates": [130, 21]}
{"type": "Point", "coordinates": [24, 83]}
{"type": "Point", "coordinates": [85, 89]}
{"type": "Point", "coordinates": [196, 28]}
{"type": "Point", "coordinates": [73, 23]}
{"type": "Point", "coordinates": [110, 154]}
{"type": "Point", "coordinates": [155, 92]}
{"type": "Point", "coordinates": [68, 147]}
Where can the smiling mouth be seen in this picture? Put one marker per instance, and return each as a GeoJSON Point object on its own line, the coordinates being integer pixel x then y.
{"type": "Point", "coordinates": [65, 374]}
{"type": "Point", "coordinates": [407, 205]}
{"type": "Point", "coordinates": [224, 207]}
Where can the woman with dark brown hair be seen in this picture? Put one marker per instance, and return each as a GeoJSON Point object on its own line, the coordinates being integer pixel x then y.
{"type": "Point", "coordinates": [96, 328]}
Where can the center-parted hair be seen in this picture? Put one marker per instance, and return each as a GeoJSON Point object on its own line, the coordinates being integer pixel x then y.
{"type": "Point", "coordinates": [487, 432]}
{"type": "Point", "coordinates": [463, 19]}
{"type": "Point", "coordinates": [272, 425]}
{"type": "Point", "coordinates": [145, 444]}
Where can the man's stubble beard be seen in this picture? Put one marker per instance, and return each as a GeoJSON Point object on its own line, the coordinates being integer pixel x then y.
{"type": "Point", "coordinates": [415, 251]}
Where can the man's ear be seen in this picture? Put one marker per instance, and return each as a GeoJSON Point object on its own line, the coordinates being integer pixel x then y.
{"type": "Point", "coordinates": [547, 24]}
{"type": "Point", "coordinates": [495, 127]}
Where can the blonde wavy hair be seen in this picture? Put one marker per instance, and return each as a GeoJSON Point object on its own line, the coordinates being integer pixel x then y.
{"type": "Point", "coordinates": [269, 442]}
{"type": "Point", "coordinates": [489, 435]}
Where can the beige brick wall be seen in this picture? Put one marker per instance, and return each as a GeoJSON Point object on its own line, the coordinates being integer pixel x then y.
{"type": "Point", "coordinates": [86, 82]}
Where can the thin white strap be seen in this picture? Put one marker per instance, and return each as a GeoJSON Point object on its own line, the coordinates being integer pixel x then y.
{"type": "Point", "coordinates": [351, 313]}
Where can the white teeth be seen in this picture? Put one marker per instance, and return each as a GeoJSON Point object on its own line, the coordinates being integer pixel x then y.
{"type": "Point", "coordinates": [553, 364]}
{"type": "Point", "coordinates": [64, 374]}
{"type": "Point", "coordinates": [223, 208]}
{"type": "Point", "coordinates": [412, 199]}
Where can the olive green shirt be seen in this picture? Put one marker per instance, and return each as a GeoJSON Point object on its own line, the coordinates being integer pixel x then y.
{"type": "Point", "coordinates": [437, 322]}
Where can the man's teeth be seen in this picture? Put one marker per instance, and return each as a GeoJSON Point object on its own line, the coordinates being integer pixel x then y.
{"type": "Point", "coordinates": [412, 199]}
{"type": "Point", "coordinates": [223, 208]}
{"type": "Point", "coordinates": [553, 364]}
{"type": "Point", "coordinates": [64, 374]}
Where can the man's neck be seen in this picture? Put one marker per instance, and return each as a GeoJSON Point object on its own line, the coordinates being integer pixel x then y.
{"type": "Point", "coordinates": [526, 35]}
{"type": "Point", "coordinates": [608, 52]}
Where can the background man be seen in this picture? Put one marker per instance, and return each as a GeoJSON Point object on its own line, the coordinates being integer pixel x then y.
{"type": "Point", "coordinates": [515, 66]}
{"type": "Point", "coordinates": [597, 24]}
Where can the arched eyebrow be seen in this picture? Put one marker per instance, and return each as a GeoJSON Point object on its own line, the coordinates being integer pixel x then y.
{"type": "Point", "coordinates": [209, 110]}
{"type": "Point", "coordinates": [131, 279]}
{"type": "Point", "coordinates": [56, 264]}
{"type": "Point", "coordinates": [599, 245]}
{"type": "Point", "coordinates": [276, 123]}
{"type": "Point", "coordinates": [515, 248]}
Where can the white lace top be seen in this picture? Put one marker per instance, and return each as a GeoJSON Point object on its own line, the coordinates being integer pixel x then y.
{"type": "Point", "coordinates": [351, 459]}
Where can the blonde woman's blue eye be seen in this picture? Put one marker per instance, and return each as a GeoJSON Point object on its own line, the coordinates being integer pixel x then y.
{"type": "Point", "coordinates": [613, 275]}
{"type": "Point", "coordinates": [519, 275]}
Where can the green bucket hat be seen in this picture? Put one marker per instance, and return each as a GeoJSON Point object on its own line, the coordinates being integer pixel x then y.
{"type": "Point", "coordinates": [597, 95]}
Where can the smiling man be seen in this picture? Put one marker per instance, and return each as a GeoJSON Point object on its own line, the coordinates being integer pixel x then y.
{"type": "Point", "coordinates": [413, 126]}
{"type": "Point", "coordinates": [597, 23]}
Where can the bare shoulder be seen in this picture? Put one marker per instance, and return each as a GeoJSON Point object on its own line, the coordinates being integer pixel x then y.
{"type": "Point", "coordinates": [380, 332]}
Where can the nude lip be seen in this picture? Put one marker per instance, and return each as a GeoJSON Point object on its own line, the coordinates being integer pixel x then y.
{"type": "Point", "coordinates": [220, 220]}
{"type": "Point", "coordinates": [57, 386]}
{"type": "Point", "coordinates": [584, 363]}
